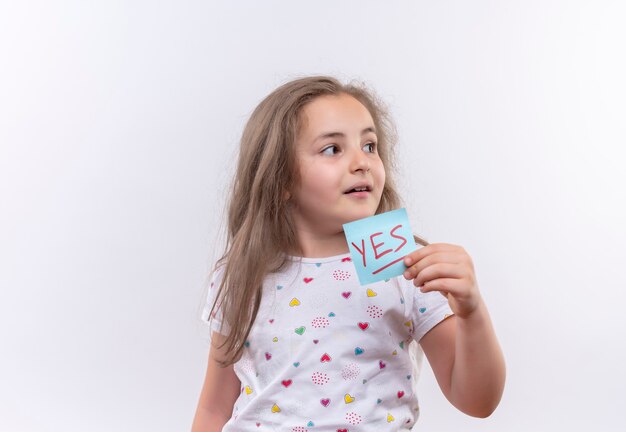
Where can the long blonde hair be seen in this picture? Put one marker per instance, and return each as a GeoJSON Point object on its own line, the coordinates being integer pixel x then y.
{"type": "Point", "coordinates": [260, 228]}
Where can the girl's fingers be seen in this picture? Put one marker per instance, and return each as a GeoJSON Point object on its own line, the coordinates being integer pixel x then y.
{"type": "Point", "coordinates": [462, 302]}
{"type": "Point", "coordinates": [444, 285]}
{"type": "Point", "coordinates": [439, 257]}
{"type": "Point", "coordinates": [437, 271]}
{"type": "Point", "coordinates": [430, 249]}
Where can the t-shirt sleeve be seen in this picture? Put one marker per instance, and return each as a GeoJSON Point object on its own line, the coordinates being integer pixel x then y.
{"type": "Point", "coordinates": [215, 320]}
{"type": "Point", "coordinates": [428, 309]}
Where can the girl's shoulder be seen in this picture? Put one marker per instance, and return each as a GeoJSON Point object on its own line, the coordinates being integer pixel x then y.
{"type": "Point", "coordinates": [217, 273]}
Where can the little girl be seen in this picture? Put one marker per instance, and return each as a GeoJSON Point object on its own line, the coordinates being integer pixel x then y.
{"type": "Point", "coordinates": [297, 344]}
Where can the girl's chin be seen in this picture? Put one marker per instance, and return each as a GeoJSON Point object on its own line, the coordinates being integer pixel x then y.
{"type": "Point", "coordinates": [354, 216]}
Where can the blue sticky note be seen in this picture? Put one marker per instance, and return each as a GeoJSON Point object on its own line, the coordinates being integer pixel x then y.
{"type": "Point", "coordinates": [378, 245]}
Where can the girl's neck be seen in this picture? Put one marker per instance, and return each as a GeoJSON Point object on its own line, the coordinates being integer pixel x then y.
{"type": "Point", "coordinates": [321, 247]}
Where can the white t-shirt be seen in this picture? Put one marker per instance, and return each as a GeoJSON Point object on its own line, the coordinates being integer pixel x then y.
{"type": "Point", "coordinates": [326, 353]}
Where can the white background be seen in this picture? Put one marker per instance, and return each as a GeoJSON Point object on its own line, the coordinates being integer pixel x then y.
{"type": "Point", "coordinates": [119, 124]}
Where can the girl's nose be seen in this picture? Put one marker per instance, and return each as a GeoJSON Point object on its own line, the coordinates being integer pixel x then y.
{"type": "Point", "coordinates": [361, 162]}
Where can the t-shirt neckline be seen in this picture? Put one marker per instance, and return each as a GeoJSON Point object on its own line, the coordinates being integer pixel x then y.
{"type": "Point", "coordinates": [318, 260]}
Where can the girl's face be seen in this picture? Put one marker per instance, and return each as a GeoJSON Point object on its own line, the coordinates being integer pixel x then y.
{"type": "Point", "coordinates": [336, 152]}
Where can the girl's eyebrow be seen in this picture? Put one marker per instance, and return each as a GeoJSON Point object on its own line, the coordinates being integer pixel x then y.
{"type": "Point", "coordinates": [341, 134]}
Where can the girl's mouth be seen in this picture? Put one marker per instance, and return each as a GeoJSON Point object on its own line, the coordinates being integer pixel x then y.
{"type": "Point", "coordinates": [359, 189]}
{"type": "Point", "coordinates": [358, 192]}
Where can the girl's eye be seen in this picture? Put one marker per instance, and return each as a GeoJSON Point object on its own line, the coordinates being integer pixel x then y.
{"type": "Point", "coordinates": [325, 151]}
{"type": "Point", "coordinates": [372, 146]}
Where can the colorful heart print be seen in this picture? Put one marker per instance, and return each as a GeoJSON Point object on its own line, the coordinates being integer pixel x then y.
{"type": "Point", "coordinates": [341, 275]}
{"type": "Point", "coordinates": [320, 378]}
{"type": "Point", "coordinates": [294, 302]}
{"type": "Point", "coordinates": [374, 311]}
{"type": "Point", "coordinates": [350, 371]}
{"type": "Point", "coordinates": [320, 322]}
{"type": "Point", "coordinates": [353, 418]}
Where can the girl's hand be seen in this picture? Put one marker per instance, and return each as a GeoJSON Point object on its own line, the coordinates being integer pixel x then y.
{"type": "Point", "coordinates": [448, 269]}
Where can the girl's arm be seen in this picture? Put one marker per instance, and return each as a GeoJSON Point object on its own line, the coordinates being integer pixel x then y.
{"type": "Point", "coordinates": [463, 350]}
{"type": "Point", "coordinates": [467, 361]}
{"type": "Point", "coordinates": [220, 391]}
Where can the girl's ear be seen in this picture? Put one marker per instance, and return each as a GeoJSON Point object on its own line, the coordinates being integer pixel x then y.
{"type": "Point", "coordinates": [286, 195]}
